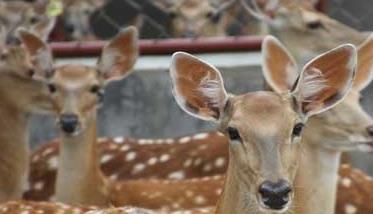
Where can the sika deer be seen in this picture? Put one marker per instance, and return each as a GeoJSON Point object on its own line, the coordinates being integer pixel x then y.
{"type": "Point", "coordinates": [20, 96]}
{"type": "Point", "coordinates": [195, 18]}
{"type": "Point", "coordinates": [290, 20]}
{"type": "Point", "coordinates": [264, 127]}
{"type": "Point", "coordinates": [75, 91]}
{"type": "Point", "coordinates": [14, 14]}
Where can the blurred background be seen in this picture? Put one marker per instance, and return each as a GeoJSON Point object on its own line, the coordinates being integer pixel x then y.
{"type": "Point", "coordinates": [142, 105]}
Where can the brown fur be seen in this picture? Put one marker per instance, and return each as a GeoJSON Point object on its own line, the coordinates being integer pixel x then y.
{"type": "Point", "coordinates": [20, 95]}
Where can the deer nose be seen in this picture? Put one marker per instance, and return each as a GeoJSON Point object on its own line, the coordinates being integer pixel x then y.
{"type": "Point", "coordinates": [69, 123]}
{"type": "Point", "coordinates": [69, 28]}
{"type": "Point", "coordinates": [275, 195]}
{"type": "Point", "coordinates": [370, 130]}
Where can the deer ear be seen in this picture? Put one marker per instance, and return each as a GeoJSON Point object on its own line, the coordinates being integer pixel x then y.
{"type": "Point", "coordinates": [279, 67]}
{"type": "Point", "coordinates": [39, 51]}
{"type": "Point", "coordinates": [44, 27]}
{"type": "Point", "coordinates": [364, 73]}
{"type": "Point", "coordinates": [326, 80]}
{"type": "Point", "coordinates": [119, 55]}
{"type": "Point", "coordinates": [197, 87]}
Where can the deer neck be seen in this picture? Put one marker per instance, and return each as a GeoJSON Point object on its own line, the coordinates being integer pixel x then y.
{"type": "Point", "coordinates": [14, 151]}
{"type": "Point", "coordinates": [236, 196]}
{"type": "Point", "coordinates": [316, 180]}
{"type": "Point", "coordinates": [79, 178]}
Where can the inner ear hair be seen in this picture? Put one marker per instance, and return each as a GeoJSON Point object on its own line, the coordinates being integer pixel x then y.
{"type": "Point", "coordinates": [225, 115]}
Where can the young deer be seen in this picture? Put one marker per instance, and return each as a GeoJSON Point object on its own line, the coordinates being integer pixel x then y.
{"type": "Point", "coordinates": [195, 18]}
{"type": "Point", "coordinates": [21, 94]}
{"type": "Point", "coordinates": [290, 20]}
{"type": "Point", "coordinates": [76, 91]}
{"type": "Point", "coordinates": [76, 18]}
{"type": "Point", "coordinates": [264, 127]}
{"type": "Point", "coordinates": [14, 14]}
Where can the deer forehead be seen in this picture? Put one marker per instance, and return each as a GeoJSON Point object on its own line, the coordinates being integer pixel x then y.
{"type": "Point", "coordinates": [267, 113]}
{"type": "Point", "coordinates": [190, 8]}
{"type": "Point", "coordinates": [75, 76]}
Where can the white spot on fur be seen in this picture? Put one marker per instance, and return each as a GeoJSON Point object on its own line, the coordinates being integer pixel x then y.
{"type": "Point", "coordinates": [38, 185]}
{"type": "Point", "coordinates": [185, 139]}
{"type": "Point", "coordinates": [178, 175]}
{"type": "Point", "coordinates": [113, 177]}
{"type": "Point", "coordinates": [124, 147]}
{"type": "Point", "coordinates": [199, 200]}
{"type": "Point", "coordinates": [152, 161]}
{"type": "Point", "coordinates": [164, 158]}
{"type": "Point", "coordinates": [170, 140]}
{"type": "Point", "coordinates": [350, 209]}
{"type": "Point", "coordinates": [138, 168]}
{"type": "Point", "coordinates": [207, 167]}
{"type": "Point", "coordinates": [200, 136]}
{"type": "Point", "coordinates": [36, 158]}
{"type": "Point", "coordinates": [130, 156]}
{"type": "Point", "coordinates": [220, 162]}
{"type": "Point", "coordinates": [218, 191]}
{"type": "Point", "coordinates": [346, 182]}
{"type": "Point", "coordinates": [47, 151]}
{"type": "Point", "coordinates": [106, 158]}
{"type": "Point", "coordinates": [119, 140]}
{"type": "Point", "coordinates": [53, 162]}
{"type": "Point", "coordinates": [197, 162]}
{"type": "Point", "coordinates": [188, 163]}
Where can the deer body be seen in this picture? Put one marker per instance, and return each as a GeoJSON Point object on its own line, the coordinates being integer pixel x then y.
{"type": "Point", "coordinates": [20, 96]}
{"type": "Point", "coordinates": [261, 169]}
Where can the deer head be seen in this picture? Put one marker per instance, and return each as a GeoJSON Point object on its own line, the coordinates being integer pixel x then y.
{"type": "Point", "coordinates": [76, 17]}
{"type": "Point", "coordinates": [346, 126]}
{"type": "Point", "coordinates": [16, 14]}
{"type": "Point", "coordinates": [194, 18]}
{"type": "Point", "coordinates": [291, 20]}
{"type": "Point", "coordinates": [264, 128]}
{"type": "Point", "coordinates": [76, 90]}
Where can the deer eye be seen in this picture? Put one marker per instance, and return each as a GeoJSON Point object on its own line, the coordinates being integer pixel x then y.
{"type": "Point", "coordinates": [314, 25]}
{"type": "Point", "coordinates": [34, 20]}
{"type": "Point", "coordinates": [95, 89]}
{"type": "Point", "coordinates": [297, 130]}
{"type": "Point", "coordinates": [52, 88]}
{"type": "Point", "coordinates": [3, 56]}
{"type": "Point", "coordinates": [172, 14]}
{"type": "Point", "coordinates": [233, 134]}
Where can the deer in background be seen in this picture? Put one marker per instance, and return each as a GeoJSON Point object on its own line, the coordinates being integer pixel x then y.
{"type": "Point", "coordinates": [76, 18]}
{"type": "Point", "coordinates": [14, 14]}
{"type": "Point", "coordinates": [21, 95]}
{"type": "Point", "coordinates": [196, 18]}
{"type": "Point", "coordinates": [76, 91]}
{"type": "Point", "coordinates": [264, 128]}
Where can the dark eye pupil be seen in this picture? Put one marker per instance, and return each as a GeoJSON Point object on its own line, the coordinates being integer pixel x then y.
{"type": "Point", "coordinates": [233, 134]}
{"type": "Point", "coordinates": [52, 88]}
{"type": "Point", "coordinates": [314, 25]}
{"type": "Point", "coordinates": [3, 56]}
{"type": "Point", "coordinates": [95, 89]}
{"type": "Point", "coordinates": [297, 130]}
{"type": "Point", "coordinates": [34, 20]}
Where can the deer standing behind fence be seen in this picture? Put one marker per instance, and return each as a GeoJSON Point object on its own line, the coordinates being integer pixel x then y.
{"type": "Point", "coordinates": [21, 95]}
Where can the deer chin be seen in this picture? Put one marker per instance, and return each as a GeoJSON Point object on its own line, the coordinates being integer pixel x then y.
{"type": "Point", "coordinates": [266, 209]}
{"type": "Point", "coordinates": [349, 146]}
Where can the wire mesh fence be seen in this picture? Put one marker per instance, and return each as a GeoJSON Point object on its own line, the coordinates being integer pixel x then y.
{"type": "Point", "coordinates": [357, 14]}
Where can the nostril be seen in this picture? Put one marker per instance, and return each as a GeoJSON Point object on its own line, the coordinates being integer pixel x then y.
{"type": "Point", "coordinates": [275, 195]}
{"type": "Point", "coordinates": [370, 130]}
{"type": "Point", "coordinates": [31, 72]}
{"type": "Point", "coordinates": [69, 122]}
